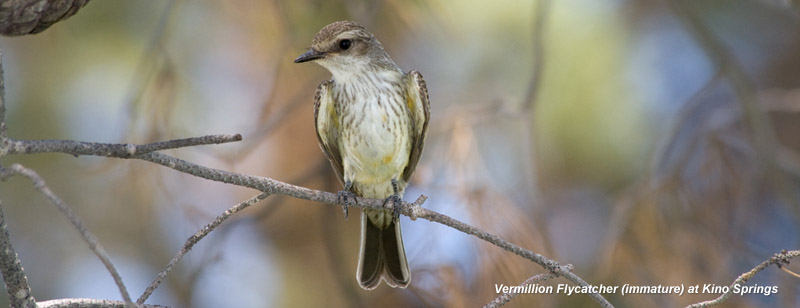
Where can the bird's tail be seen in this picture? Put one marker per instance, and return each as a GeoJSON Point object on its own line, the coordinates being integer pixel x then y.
{"type": "Point", "coordinates": [382, 255]}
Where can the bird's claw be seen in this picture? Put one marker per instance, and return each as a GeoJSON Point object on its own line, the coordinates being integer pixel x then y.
{"type": "Point", "coordinates": [345, 200]}
{"type": "Point", "coordinates": [396, 204]}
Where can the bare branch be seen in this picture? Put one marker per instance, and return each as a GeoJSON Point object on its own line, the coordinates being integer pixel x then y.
{"type": "Point", "coordinates": [20, 17]}
{"type": "Point", "coordinates": [122, 150]}
{"type": "Point", "coordinates": [255, 182]}
{"type": "Point", "coordinates": [506, 297]}
{"type": "Point", "coordinates": [780, 259]}
{"type": "Point", "coordinates": [88, 302]}
{"type": "Point", "coordinates": [192, 240]}
{"type": "Point", "coordinates": [19, 292]}
{"type": "Point", "coordinates": [87, 235]}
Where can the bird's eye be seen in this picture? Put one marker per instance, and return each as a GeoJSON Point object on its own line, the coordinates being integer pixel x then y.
{"type": "Point", "coordinates": [345, 44]}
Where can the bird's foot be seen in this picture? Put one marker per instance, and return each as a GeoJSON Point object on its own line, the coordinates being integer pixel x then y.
{"type": "Point", "coordinates": [346, 198]}
{"type": "Point", "coordinates": [345, 195]}
{"type": "Point", "coordinates": [396, 203]}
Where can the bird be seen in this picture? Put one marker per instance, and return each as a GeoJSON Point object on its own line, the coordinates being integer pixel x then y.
{"type": "Point", "coordinates": [371, 120]}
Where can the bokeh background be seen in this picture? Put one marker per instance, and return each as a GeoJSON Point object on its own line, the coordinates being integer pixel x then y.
{"type": "Point", "coordinates": [644, 142]}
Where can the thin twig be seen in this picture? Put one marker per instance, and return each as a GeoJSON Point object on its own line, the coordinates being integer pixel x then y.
{"type": "Point", "coordinates": [255, 182]}
{"type": "Point", "coordinates": [192, 240]}
{"type": "Point", "coordinates": [780, 259]}
{"type": "Point", "coordinates": [119, 150]}
{"type": "Point", "coordinates": [506, 297]}
{"type": "Point", "coordinates": [19, 291]}
{"type": "Point", "coordinates": [87, 235]}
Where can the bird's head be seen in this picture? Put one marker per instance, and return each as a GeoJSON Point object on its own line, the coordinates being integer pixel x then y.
{"type": "Point", "coordinates": [345, 48]}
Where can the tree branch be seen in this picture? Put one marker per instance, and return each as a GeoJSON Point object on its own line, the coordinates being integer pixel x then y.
{"type": "Point", "coordinates": [89, 302]}
{"type": "Point", "coordinates": [780, 259]}
{"type": "Point", "coordinates": [19, 292]}
{"type": "Point", "coordinates": [124, 150]}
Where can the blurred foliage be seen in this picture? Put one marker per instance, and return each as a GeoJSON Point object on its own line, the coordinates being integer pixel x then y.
{"type": "Point", "coordinates": [635, 163]}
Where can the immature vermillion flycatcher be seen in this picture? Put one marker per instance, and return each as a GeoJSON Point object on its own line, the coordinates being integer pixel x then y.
{"type": "Point", "coordinates": [371, 120]}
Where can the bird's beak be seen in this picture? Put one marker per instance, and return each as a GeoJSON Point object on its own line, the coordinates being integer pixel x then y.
{"type": "Point", "coordinates": [309, 55]}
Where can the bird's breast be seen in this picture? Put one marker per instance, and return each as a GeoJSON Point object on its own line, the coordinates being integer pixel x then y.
{"type": "Point", "coordinates": [375, 131]}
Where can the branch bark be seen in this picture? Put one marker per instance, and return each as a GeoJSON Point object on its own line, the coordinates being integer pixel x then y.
{"type": "Point", "coordinates": [19, 292]}
{"type": "Point", "coordinates": [88, 302]}
{"type": "Point", "coordinates": [124, 150]}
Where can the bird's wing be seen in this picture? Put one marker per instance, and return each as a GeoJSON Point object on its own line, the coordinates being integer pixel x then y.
{"type": "Point", "coordinates": [420, 109]}
{"type": "Point", "coordinates": [327, 127]}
